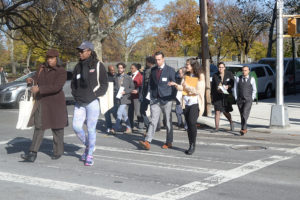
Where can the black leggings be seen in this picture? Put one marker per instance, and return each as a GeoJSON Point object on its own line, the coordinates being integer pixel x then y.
{"type": "Point", "coordinates": [191, 114]}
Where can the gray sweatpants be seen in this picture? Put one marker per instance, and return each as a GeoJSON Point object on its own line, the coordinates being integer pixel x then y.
{"type": "Point", "coordinates": [155, 114]}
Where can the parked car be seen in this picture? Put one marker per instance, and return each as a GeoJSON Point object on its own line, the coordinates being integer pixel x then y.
{"type": "Point", "coordinates": [289, 71]}
{"type": "Point", "coordinates": [12, 92]}
{"type": "Point", "coordinates": [266, 78]}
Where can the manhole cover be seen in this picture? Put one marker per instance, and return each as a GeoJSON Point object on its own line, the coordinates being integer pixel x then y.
{"type": "Point", "coordinates": [248, 147]}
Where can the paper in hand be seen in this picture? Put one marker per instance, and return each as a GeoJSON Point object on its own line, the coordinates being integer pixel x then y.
{"type": "Point", "coordinates": [121, 90]}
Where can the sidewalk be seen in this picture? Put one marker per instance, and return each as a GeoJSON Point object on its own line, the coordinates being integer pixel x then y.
{"type": "Point", "coordinates": [259, 119]}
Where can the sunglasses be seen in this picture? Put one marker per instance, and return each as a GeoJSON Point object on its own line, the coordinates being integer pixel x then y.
{"type": "Point", "coordinates": [82, 50]}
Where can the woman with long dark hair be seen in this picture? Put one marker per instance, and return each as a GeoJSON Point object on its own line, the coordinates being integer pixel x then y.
{"type": "Point", "coordinates": [225, 79]}
{"type": "Point", "coordinates": [192, 87]}
{"type": "Point", "coordinates": [87, 85]}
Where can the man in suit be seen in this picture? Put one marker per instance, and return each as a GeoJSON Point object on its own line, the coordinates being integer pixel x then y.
{"type": "Point", "coordinates": [245, 93]}
{"type": "Point", "coordinates": [160, 100]}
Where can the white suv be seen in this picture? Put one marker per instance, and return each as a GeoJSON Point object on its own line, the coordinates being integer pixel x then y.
{"type": "Point", "coordinates": [265, 77]}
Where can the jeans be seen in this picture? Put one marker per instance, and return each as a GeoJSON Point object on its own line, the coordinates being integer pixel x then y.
{"type": "Point", "coordinates": [122, 114]}
{"type": "Point", "coordinates": [90, 113]}
{"type": "Point", "coordinates": [107, 116]}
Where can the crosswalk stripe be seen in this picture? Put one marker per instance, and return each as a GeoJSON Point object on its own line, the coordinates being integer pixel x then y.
{"type": "Point", "coordinates": [160, 165]}
{"type": "Point", "coordinates": [198, 186]}
{"type": "Point", "coordinates": [72, 187]}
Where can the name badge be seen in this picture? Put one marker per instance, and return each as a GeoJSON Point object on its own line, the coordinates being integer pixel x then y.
{"type": "Point", "coordinates": [228, 79]}
{"type": "Point", "coordinates": [78, 76]}
{"type": "Point", "coordinates": [164, 79]}
{"type": "Point", "coordinates": [92, 70]}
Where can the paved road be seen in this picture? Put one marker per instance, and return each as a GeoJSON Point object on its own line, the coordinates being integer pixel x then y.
{"type": "Point", "coordinates": [220, 168]}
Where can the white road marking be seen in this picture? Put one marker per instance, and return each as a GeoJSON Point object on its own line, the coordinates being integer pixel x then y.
{"type": "Point", "coordinates": [166, 166]}
{"type": "Point", "coordinates": [198, 186]}
{"type": "Point", "coordinates": [72, 187]}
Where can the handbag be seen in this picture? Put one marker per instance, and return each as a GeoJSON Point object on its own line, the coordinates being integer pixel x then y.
{"type": "Point", "coordinates": [25, 109]}
{"type": "Point", "coordinates": [107, 100]}
{"type": "Point", "coordinates": [230, 99]}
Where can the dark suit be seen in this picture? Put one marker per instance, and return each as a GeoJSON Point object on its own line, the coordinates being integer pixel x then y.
{"type": "Point", "coordinates": [161, 100]}
{"type": "Point", "coordinates": [159, 89]}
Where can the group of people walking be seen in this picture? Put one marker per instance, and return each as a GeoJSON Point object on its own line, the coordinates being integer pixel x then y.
{"type": "Point", "coordinates": [227, 90]}
{"type": "Point", "coordinates": [133, 93]}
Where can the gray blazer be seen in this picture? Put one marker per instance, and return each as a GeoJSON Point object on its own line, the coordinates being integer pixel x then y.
{"type": "Point", "coordinates": [128, 85]}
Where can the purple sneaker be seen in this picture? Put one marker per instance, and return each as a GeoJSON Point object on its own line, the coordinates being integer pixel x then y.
{"type": "Point", "coordinates": [83, 156]}
{"type": "Point", "coordinates": [89, 161]}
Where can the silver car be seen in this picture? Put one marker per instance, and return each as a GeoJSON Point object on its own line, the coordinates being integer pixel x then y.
{"type": "Point", "coordinates": [12, 92]}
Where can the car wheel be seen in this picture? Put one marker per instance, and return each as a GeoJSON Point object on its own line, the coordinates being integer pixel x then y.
{"type": "Point", "coordinates": [268, 92]}
{"type": "Point", "coordinates": [19, 97]}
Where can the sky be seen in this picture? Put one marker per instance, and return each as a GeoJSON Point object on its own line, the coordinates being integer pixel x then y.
{"type": "Point", "coordinates": [160, 4]}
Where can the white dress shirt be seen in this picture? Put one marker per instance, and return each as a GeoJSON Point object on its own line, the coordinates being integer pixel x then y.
{"type": "Point", "coordinates": [252, 81]}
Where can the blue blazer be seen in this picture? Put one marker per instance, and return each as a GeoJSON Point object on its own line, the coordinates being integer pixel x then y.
{"type": "Point", "coordinates": [159, 89]}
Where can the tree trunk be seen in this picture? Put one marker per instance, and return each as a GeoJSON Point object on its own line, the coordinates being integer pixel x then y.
{"type": "Point", "coordinates": [29, 53]}
{"type": "Point", "coordinates": [98, 48]}
{"type": "Point", "coordinates": [271, 30]}
{"type": "Point", "coordinates": [205, 54]}
{"type": "Point", "coordinates": [12, 51]}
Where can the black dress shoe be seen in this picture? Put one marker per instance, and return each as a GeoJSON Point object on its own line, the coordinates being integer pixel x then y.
{"type": "Point", "coordinates": [55, 157]}
{"type": "Point", "coordinates": [191, 150]}
{"type": "Point", "coordinates": [30, 157]}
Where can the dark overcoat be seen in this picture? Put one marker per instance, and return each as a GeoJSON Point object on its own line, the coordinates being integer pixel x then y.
{"type": "Point", "coordinates": [50, 81]}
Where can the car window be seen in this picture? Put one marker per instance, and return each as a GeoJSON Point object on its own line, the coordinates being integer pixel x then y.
{"type": "Point", "coordinates": [23, 78]}
{"type": "Point", "coordinates": [297, 65]}
{"type": "Point", "coordinates": [290, 69]}
{"type": "Point", "coordinates": [269, 71]}
{"type": "Point", "coordinates": [234, 70]}
{"type": "Point", "coordinates": [271, 63]}
{"type": "Point", "coordinates": [260, 72]}
{"type": "Point", "coordinates": [69, 76]}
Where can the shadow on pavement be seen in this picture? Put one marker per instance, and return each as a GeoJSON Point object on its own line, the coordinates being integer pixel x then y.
{"type": "Point", "coordinates": [21, 145]}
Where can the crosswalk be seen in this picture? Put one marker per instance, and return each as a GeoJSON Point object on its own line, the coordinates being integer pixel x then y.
{"type": "Point", "coordinates": [145, 169]}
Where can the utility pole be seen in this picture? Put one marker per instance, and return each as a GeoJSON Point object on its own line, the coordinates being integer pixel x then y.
{"type": "Point", "coordinates": [279, 114]}
{"type": "Point", "coordinates": [205, 53]}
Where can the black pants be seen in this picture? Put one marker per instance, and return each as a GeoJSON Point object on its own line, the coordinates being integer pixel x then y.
{"type": "Point", "coordinates": [134, 108]}
{"type": "Point", "coordinates": [244, 108]}
{"type": "Point", "coordinates": [38, 135]}
{"type": "Point", "coordinates": [191, 114]}
{"type": "Point", "coordinates": [143, 109]}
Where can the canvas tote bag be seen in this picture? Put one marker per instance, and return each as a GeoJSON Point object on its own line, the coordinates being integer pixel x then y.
{"type": "Point", "coordinates": [107, 100]}
{"type": "Point", "coordinates": [25, 109]}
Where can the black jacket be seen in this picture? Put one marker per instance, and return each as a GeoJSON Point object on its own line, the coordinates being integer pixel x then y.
{"type": "Point", "coordinates": [216, 80]}
{"type": "Point", "coordinates": [87, 95]}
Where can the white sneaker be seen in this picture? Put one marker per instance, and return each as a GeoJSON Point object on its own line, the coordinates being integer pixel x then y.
{"type": "Point", "coordinates": [108, 130]}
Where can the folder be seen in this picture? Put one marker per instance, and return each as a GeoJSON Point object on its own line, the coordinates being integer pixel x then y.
{"type": "Point", "coordinates": [191, 82]}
